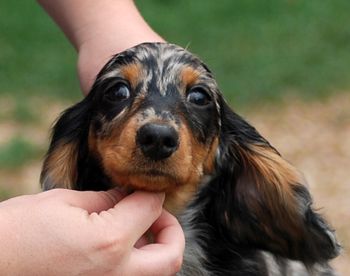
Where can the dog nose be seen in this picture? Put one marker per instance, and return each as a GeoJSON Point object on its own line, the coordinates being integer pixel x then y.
{"type": "Point", "coordinates": [157, 141]}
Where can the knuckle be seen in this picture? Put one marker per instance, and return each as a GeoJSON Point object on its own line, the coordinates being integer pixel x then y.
{"type": "Point", "coordinates": [113, 246]}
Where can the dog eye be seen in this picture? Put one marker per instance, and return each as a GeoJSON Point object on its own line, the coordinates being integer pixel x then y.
{"type": "Point", "coordinates": [198, 96]}
{"type": "Point", "coordinates": [118, 92]}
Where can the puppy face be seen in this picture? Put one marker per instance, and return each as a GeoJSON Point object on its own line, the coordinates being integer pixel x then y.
{"type": "Point", "coordinates": [154, 121]}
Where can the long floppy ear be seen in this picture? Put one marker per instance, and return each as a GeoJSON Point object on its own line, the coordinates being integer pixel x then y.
{"type": "Point", "coordinates": [69, 144]}
{"type": "Point", "coordinates": [60, 164]}
{"type": "Point", "coordinates": [266, 204]}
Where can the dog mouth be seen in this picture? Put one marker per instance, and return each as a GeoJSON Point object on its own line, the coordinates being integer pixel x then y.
{"type": "Point", "coordinates": [156, 173]}
{"type": "Point", "coordinates": [152, 180]}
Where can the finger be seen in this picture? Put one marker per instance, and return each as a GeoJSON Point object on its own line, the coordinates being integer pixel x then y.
{"type": "Point", "coordinates": [156, 234]}
{"type": "Point", "coordinates": [135, 214]}
{"type": "Point", "coordinates": [89, 200]}
{"type": "Point", "coordinates": [165, 228]}
{"type": "Point", "coordinates": [165, 256]}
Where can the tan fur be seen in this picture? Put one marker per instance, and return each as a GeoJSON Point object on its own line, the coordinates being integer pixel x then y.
{"type": "Point", "coordinates": [189, 76]}
{"type": "Point", "coordinates": [201, 162]}
{"type": "Point", "coordinates": [132, 72]}
{"type": "Point", "coordinates": [61, 166]}
{"type": "Point", "coordinates": [179, 175]}
{"type": "Point", "coordinates": [210, 159]}
{"type": "Point", "coordinates": [271, 179]}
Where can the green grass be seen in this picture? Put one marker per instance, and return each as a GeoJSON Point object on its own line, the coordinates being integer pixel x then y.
{"type": "Point", "coordinates": [24, 113]}
{"type": "Point", "coordinates": [35, 57]}
{"type": "Point", "coordinates": [259, 50]}
{"type": "Point", "coordinates": [17, 153]}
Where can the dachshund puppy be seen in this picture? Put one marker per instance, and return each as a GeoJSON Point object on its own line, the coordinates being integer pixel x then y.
{"type": "Point", "coordinates": [155, 120]}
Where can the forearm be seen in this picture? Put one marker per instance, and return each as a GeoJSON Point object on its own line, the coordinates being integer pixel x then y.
{"type": "Point", "coordinates": [99, 29]}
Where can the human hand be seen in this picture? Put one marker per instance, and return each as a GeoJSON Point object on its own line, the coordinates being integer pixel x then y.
{"type": "Point", "coordinates": [64, 232]}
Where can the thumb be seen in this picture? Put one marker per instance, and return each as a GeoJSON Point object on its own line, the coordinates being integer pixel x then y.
{"type": "Point", "coordinates": [94, 201]}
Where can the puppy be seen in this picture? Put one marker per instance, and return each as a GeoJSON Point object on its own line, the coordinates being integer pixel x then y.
{"type": "Point", "coordinates": [155, 120]}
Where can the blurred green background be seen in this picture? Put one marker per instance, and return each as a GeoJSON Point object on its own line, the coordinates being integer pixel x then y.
{"type": "Point", "coordinates": [284, 63]}
{"type": "Point", "coordinates": [259, 50]}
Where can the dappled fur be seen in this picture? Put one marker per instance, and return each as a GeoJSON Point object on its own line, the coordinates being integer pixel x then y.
{"type": "Point", "coordinates": [245, 210]}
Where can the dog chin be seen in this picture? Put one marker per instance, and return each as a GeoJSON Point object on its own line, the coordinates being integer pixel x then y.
{"type": "Point", "coordinates": [150, 182]}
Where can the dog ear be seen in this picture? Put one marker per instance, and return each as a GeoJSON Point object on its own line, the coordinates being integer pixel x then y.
{"type": "Point", "coordinates": [266, 204]}
{"type": "Point", "coordinates": [60, 164]}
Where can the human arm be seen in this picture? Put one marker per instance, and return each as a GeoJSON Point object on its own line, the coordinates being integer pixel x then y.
{"type": "Point", "coordinates": [64, 232]}
{"type": "Point", "coordinates": [98, 30]}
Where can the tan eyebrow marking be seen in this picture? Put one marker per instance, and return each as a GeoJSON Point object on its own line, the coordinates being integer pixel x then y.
{"type": "Point", "coordinates": [189, 76]}
{"type": "Point", "coordinates": [132, 72]}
